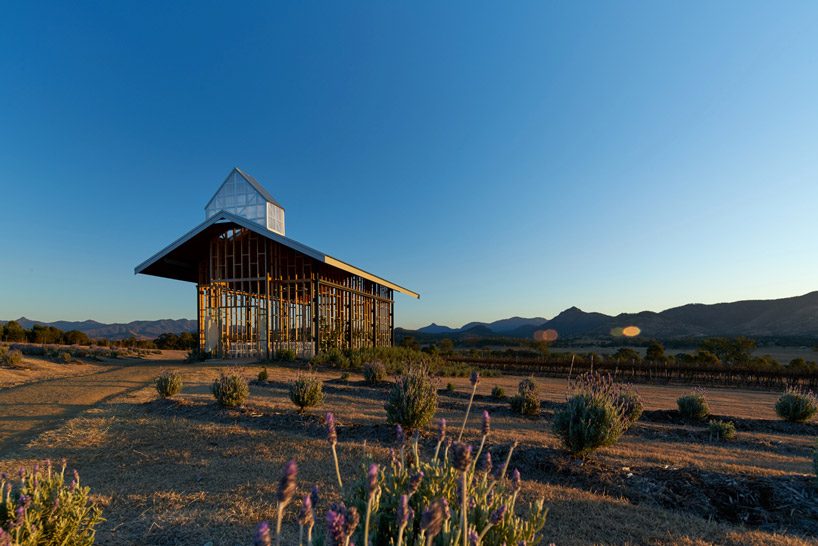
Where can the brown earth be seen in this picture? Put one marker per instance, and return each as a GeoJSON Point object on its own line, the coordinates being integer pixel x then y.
{"type": "Point", "coordinates": [187, 472]}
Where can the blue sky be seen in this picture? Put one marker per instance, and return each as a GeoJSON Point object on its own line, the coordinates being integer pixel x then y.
{"type": "Point", "coordinates": [499, 158]}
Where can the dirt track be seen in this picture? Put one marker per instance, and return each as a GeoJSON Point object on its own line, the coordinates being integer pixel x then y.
{"type": "Point", "coordinates": [27, 410]}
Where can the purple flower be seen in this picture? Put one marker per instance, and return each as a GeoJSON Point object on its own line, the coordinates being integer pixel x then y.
{"type": "Point", "coordinates": [305, 516]}
{"type": "Point", "coordinates": [497, 515]}
{"type": "Point", "coordinates": [286, 486]}
{"type": "Point", "coordinates": [515, 480]}
{"type": "Point", "coordinates": [404, 512]}
{"type": "Point", "coordinates": [484, 465]}
{"type": "Point", "coordinates": [486, 423]}
{"type": "Point", "coordinates": [315, 496]}
{"type": "Point", "coordinates": [441, 431]}
{"type": "Point", "coordinates": [5, 538]}
{"type": "Point", "coordinates": [335, 527]}
{"type": "Point", "coordinates": [263, 537]}
{"type": "Point", "coordinates": [352, 521]}
{"type": "Point", "coordinates": [400, 436]}
{"type": "Point", "coordinates": [474, 378]}
{"type": "Point", "coordinates": [332, 435]}
{"type": "Point", "coordinates": [414, 483]}
{"type": "Point", "coordinates": [431, 521]}
{"type": "Point", "coordinates": [372, 477]}
{"type": "Point", "coordinates": [473, 537]}
{"type": "Point", "coordinates": [462, 456]}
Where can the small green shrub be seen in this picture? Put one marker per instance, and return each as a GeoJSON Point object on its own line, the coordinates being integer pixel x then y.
{"type": "Point", "coordinates": [41, 509]}
{"type": "Point", "coordinates": [721, 430]}
{"type": "Point", "coordinates": [797, 405]}
{"type": "Point", "coordinates": [588, 422]}
{"type": "Point", "coordinates": [66, 358]}
{"type": "Point", "coordinates": [194, 356]}
{"type": "Point", "coordinates": [450, 387]}
{"type": "Point", "coordinates": [498, 392]}
{"type": "Point", "coordinates": [527, 400]}
{"type": "Point", "coordinates": [12, 358]}
{"type": "Point", "coordinates": [307, 391]}
{"type": "Point", "coordinates": [263, 375]}
{"type": "Point", "coordinates": [286, 355]}
{"type": "Point", "coordinates": [374, 372]}
{"type": "Point", "coordinates": [333, 357]}
{"type": "Point", "coordinates": [345, 376]}
{"type": "Point", "coordinates": [630, 404]}
{"type": "Point", "coordinates": [169, 383]}
{"type": "Point", "coordinates": [693, 406]}
{"type": "Point", "coordinates": [230, 390]}
{"type": "Point", "coordinates": [412, 400]}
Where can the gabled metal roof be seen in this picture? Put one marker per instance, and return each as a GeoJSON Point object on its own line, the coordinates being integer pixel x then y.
{"type": "Point", "coordinates": [171, 261]}
{"type": "Point", "coordinates": [253, 182]}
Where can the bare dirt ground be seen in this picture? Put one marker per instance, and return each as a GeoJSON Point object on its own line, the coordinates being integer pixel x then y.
{"type": "Point", "coordinates": [187, 472]}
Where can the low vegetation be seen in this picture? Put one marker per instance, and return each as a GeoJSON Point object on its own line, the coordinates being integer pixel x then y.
{"type": "Point", "coordinates": [721, 430]}
{"type": "Point", "coordinates": [498, 392]}
{"type": "Point", "coordinates": [693, 406]}
{"type": "Point", "coordinates": [527, 399]}
{"type": "Point", "coordinates": [168, 384]}
{"type": "Point", "coordinates": [231, 389]}
{"type": "Point", "coordinates": [594, 415]}
{"type": "Point", "coordinates": [41, 509]}
{"type": "Point", "coordinates": [453, 498]}
{"type": "Point", "coordinates": [630, 404]}
{"type": "Point", "coordinates": [11, 358]}
{"type": "Point", "coordinates": [797, 405]}
{"type": "Point", "coordinates": [306, 391]}
{"type": "Point", "coordinates": [412, 400]}
{"type": "Point", "coordinates": [374, 372]}
{"type": "Point", "coordinates": [263, 375]}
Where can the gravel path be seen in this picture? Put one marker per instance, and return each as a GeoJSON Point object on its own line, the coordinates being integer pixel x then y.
{"type": "Point", "coordinates": [33, 408]}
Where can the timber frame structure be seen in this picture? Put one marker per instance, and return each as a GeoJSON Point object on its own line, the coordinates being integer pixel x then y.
{"type": "Point", "coordinates": [259, 292]}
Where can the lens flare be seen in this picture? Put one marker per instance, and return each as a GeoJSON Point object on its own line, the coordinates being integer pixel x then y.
{"type": "Point", "coordinates": [546, 335]}
{"type": "Point", "coordinates": [631, 331]}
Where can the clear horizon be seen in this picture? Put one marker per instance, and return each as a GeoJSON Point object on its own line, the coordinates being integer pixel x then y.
{"type": "Point", "coordinates": [501, 161]}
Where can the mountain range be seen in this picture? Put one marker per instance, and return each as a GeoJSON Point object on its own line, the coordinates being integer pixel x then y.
{"type": "Point", "coordinates": [140, 329]}
{"type": "Point", "coordinates": [795, 316]}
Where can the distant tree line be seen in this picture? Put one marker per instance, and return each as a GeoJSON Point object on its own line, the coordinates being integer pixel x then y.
{"type": "Point", "coordinates": [13, 332]}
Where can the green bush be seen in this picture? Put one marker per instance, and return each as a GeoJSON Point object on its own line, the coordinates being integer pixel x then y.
{"type": "Point", "coordinates": [450, 387]}
{"type": "Point", "coordinates": [796, 405]}
{"type": "Point", "coordinates": [41, 509]}
{"type": "Point", "coordinates": [498, 393]}
{"type": "Point", "coordinates": [527, 400]}
{"type": "Point", "coordinates": [630, 404]}
{"type": "Point", "coordinates": [345, 376]}
{"type": "Point", "coordinates": [374, 372]}
{"type": "Point", "coordinates": [169, 383]}
{"type": "Point", "coordinates": [230, 390]}
{"type": "Point", "coordinates": [66, 357]}
{"type": "Point", "coordinates": [192, 356]}
{"type": "Point", "coordinates": [333, 357]}
{"type": "Point", "coordinates": [286, 355]}
{"type": "Point", "coordinates": [721, 430]}
{"type": "Point", "coordinates": [307, 391]}
{"type": "Point", "coordinates": [12, 358]}
{"type": "Point", "coordinates": [693, 406]}
{"type": "Point", "coordinates": [587, 422]}
{"type": "Point", "coordinates": [412, 400]}
{"type": "Point", "coordinates": [263, 375]}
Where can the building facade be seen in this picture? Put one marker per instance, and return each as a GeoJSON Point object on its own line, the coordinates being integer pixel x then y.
{"type": "Point", "coordinates": [260, 292]}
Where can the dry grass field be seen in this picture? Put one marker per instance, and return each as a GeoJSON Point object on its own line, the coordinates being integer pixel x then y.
{"type": "Point", "coordinates": [184, 471]}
